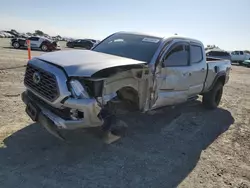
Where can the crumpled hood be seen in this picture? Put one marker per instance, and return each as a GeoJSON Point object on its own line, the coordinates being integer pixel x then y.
{"type": "Point", "coordinates": [85, 62]}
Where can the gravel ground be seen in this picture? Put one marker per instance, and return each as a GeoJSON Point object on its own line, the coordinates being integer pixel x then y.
{"type": "Point", "coordinates": [185, 146]}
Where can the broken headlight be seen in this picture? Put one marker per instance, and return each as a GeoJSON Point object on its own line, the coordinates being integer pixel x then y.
{"type": "Point", "coordinates": [78, 90]}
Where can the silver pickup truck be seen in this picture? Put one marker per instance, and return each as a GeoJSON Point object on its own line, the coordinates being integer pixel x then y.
{"type": "Point", "coordinates": [81, 88]}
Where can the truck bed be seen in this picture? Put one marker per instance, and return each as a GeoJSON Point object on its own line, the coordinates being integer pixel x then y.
{"type": "Point", "coordinates": [214, 66]}
{"type": "Point", "coordinates": [212, 59]}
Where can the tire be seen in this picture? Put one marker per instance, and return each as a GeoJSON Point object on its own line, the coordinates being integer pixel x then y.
{"type": "Point", "coordinates": [211, 99]}
{"type": "Point", "coordinates": [16, 45]}
{"type": "Point", "coordinates": [240, 63]}
{"type": "Point", "coordinates": [44, 47]}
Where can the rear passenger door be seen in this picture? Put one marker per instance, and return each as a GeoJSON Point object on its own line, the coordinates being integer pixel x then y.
{"type": "Point", "coordinates": [83, 43]}
{"type": "Point", "coordinates": [242, 56]}
{"type": "Point", "coordinates": [198, 66]}
{"type": "Point", "coordinates": [77, 43]}
{"type": "Point", "coordinates": [34, 42]}
{"type": "Point", "coordinates": [86, 44]}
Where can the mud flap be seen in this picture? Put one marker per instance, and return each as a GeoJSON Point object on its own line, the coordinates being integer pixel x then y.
{"type": "Point", "coordinates": [110, 138]}
{"type": "Point", "coordinates": [49, 126]}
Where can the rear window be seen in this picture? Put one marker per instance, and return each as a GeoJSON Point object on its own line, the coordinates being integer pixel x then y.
{"type": "Point", "coordinates": [217, 53]}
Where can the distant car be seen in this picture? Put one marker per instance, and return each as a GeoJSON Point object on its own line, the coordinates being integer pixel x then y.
{"type": "Point", "coordinates": [5, 35]}
{"type": "Point", "coordinates": [246, 63]}
{"type": "Point", "coordinates": [36, 43]}
{"type": "Point", "coordinates": [239, 56]}
{"type": "Point", "coordinates": [14, 34]}
{"type": "Point", "coordinates": [218, 53]}
{"type": "Point", "coordinates": [82, 43]}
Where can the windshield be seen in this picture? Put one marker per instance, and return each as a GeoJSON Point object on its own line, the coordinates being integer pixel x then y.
{"type": "Point", "coordinates": [133, 46]}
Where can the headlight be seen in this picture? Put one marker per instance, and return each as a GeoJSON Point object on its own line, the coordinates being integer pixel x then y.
{"type": "Point", "coordinates": [78, 90]}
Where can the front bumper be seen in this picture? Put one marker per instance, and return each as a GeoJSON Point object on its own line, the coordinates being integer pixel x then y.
{"type": "Point", "coordinates": [89, 107]}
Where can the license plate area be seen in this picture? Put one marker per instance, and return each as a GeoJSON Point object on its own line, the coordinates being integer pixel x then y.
{"type": "Point", "coordinates": [32, 110]}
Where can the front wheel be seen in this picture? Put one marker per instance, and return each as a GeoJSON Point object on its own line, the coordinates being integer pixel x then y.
{"type": "Point", "coordinates": [211, 99]}
{"type": "Point", "coordinates": [16, 45]}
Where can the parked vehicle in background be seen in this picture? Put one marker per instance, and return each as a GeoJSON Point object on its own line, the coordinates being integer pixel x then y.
{"type": "Point", "coordinates": [36, 43]}
{"type": "Point", "coordinates": [82, 43]}
{"type": "Point", "coordinates": [239, 56]}
{"type": "Point", "coordinates": [218, 53]}
{"type": "Point", "coordinates": [5, 34]}
{"type": "Point", "coordinates": [246, 63]}
{"type": "Point", "coordinates": [14, 34]}
{"type": "Point", "coordinates": [84, 88]}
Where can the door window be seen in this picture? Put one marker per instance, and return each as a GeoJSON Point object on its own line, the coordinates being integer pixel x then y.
{"type": "Point", "coordinates": [34, 38]}
{"type": "Point", "coordinates": [241, 53]}
{"type": "Point", "coordinates": [235, 53]}
{"type": "Point", "coordinates": [196, 54]}
{"type": "Point", "coordinates": [177, 56]}
{"type": "Point", "coordinates": [84, 42]}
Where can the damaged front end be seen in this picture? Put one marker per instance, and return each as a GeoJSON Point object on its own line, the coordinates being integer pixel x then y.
{"type": "Point", "coordinates": [78, 101]}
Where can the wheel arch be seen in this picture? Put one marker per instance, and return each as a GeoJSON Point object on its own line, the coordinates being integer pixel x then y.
{"type": "Point", "coordinates": [220, 77]}
{"type": "Point", "coordinates": [127, 89]}
{"type": "Point", "coordinates": [128, 93]}
{"type": "Point", "coordinates": [44, 42]}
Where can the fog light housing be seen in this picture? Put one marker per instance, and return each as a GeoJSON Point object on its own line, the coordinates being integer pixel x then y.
{"type": "Point", "coordinates": [76, 114]}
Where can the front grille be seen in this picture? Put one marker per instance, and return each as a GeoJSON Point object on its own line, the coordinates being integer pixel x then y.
{"type": "Point", "coordinates": [46, 86]}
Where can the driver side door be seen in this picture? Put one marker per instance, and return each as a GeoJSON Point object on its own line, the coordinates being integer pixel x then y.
{"type": "Point", "coordinates": [172, 76]}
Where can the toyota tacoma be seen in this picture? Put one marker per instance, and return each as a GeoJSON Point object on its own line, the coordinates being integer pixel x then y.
{"type": "Point", "coordinates": [85, 88]}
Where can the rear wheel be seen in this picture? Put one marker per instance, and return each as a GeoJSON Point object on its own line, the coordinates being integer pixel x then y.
{"type": "Point", "coordinates": [44, 48]}
{"type": "Point", "coordinates": [212, 99]}
{"type": "Point", "coordinates": [16, 45]}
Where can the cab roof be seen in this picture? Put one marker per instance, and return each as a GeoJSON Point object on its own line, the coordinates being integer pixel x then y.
{"type": "Point", "coordinates": [163, 37]}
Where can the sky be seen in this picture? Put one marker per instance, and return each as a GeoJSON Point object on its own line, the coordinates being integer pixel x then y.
{"type": "Point", "coordinates": [224, 23]}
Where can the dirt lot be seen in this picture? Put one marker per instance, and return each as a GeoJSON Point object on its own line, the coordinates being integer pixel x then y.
{"type": "Point", "coordinates": [182, 147]}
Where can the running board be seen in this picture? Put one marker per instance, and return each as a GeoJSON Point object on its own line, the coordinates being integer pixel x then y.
{"type": "Point", "coordinates": [193, 98]}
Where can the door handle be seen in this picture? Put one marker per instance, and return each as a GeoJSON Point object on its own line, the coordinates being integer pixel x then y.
{"type": "Point", "coordinates": [203, 69]}
{"type": "Point", "coordinates": [187, 74]}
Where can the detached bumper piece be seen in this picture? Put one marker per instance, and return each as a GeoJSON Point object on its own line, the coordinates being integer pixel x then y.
{"type": "Point", "coordinates": [49, 126]}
